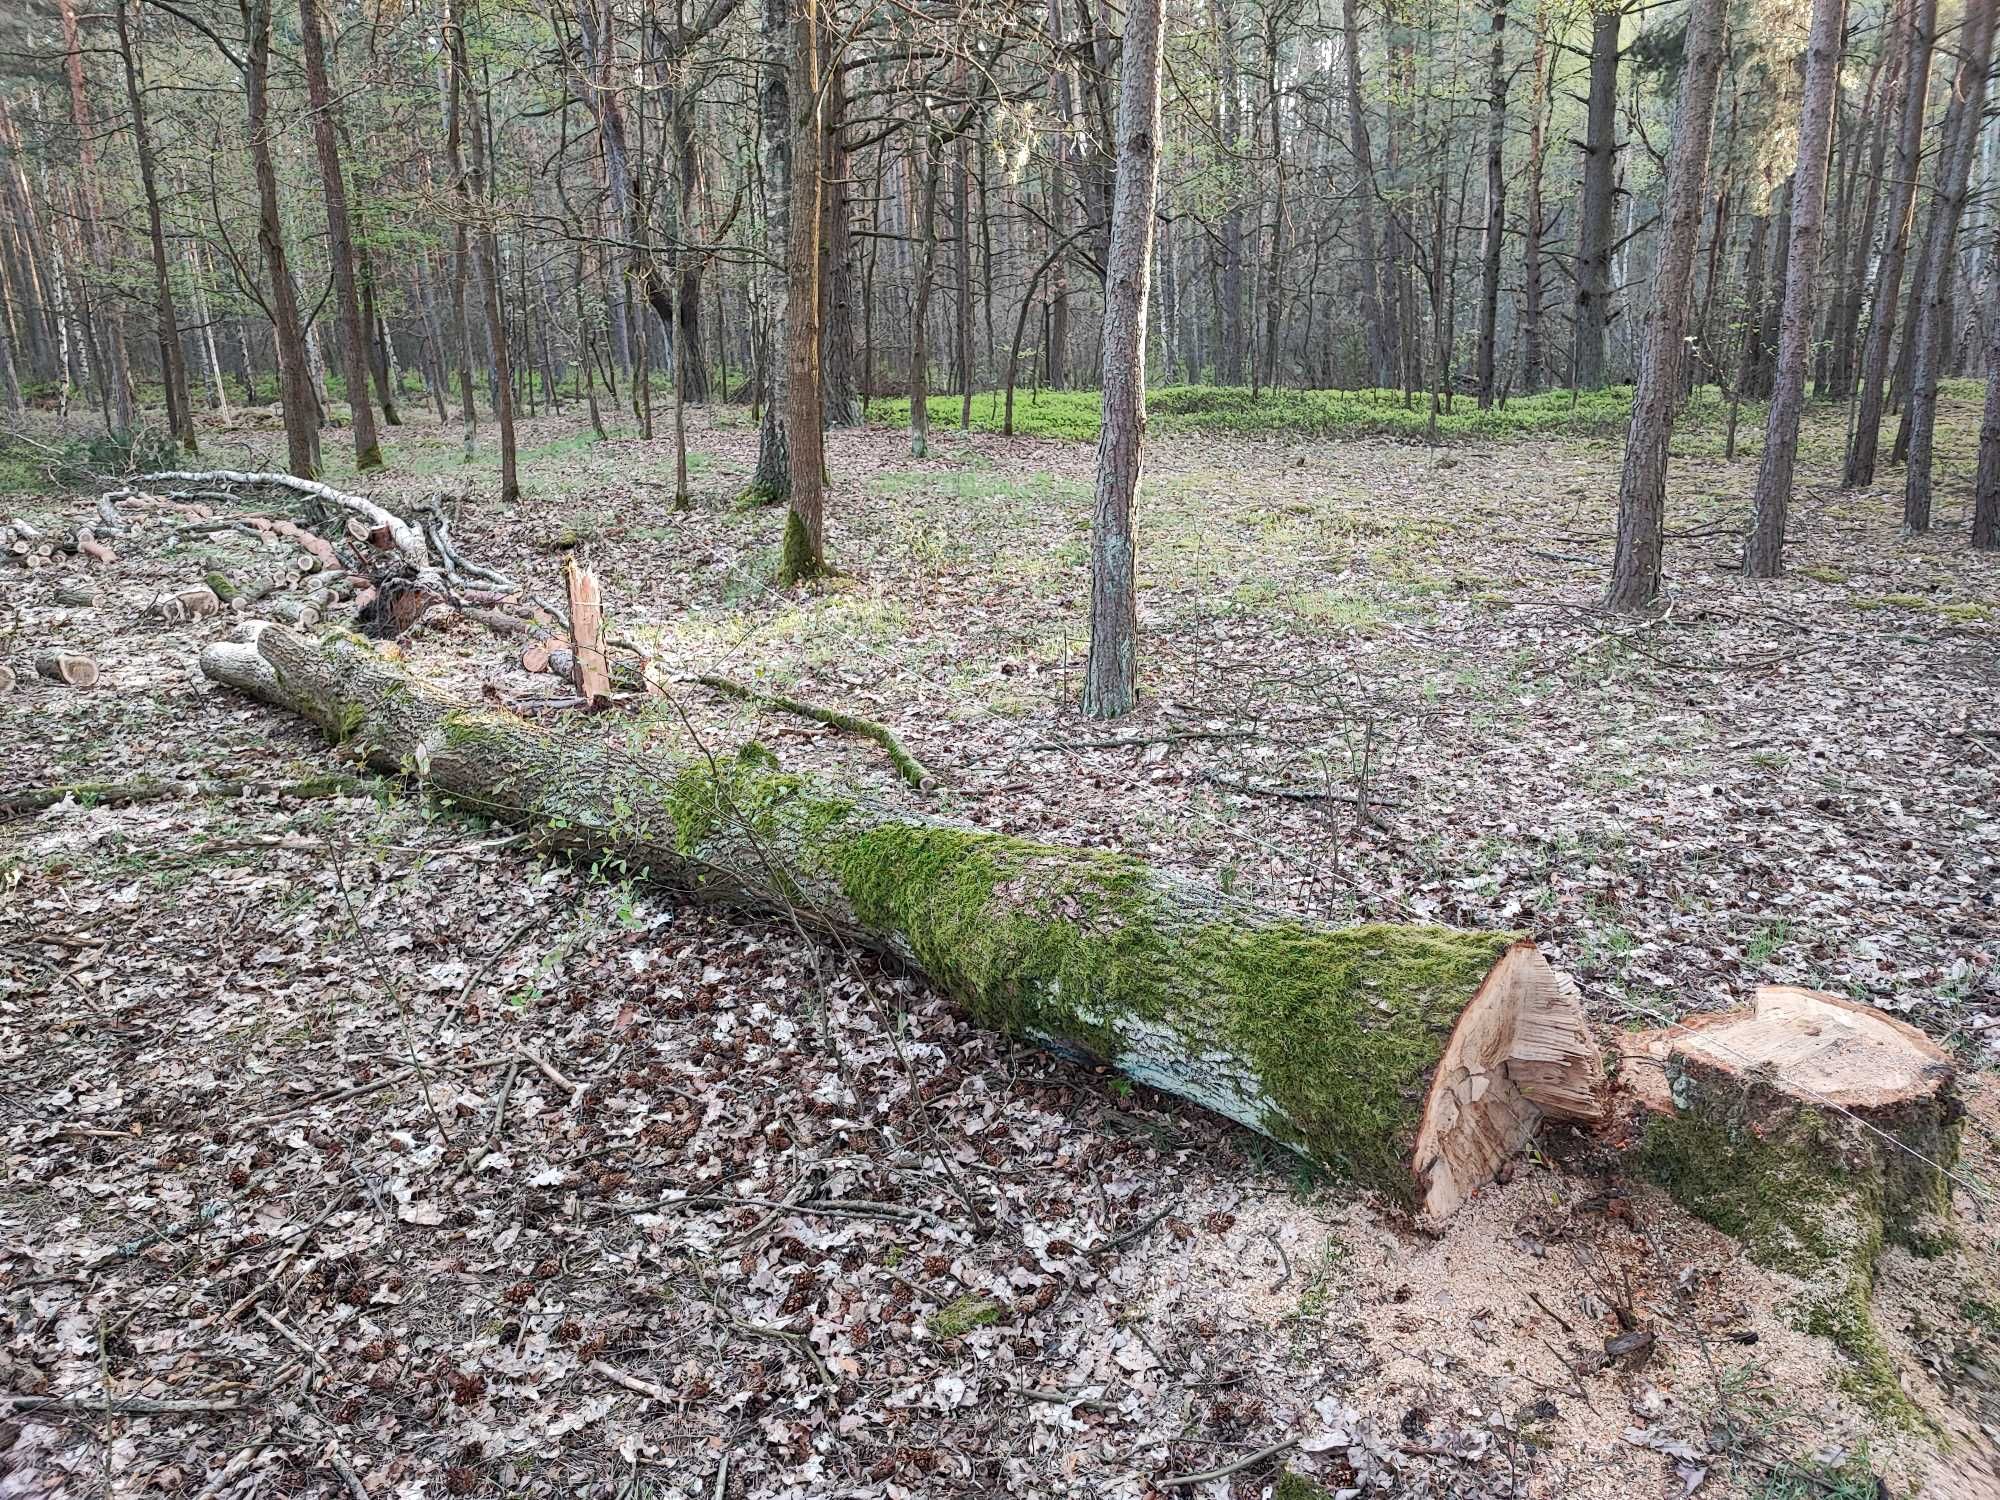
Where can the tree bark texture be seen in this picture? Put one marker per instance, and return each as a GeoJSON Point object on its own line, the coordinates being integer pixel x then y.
{"type": "Point", "coordinates": [339, 241]}
{"type": "Point", "coordinates": [1642, 487]}
{"type": "Point", "coordinates": [1931, 337]}
{"type": "Point", "coordinates": [804, 554]}
{"type": "Point", "coordinates": [295, 392]}
{"type": "Point", "coordinates": [1111, 674]}
{"type": "Point", "coordinates": [1600, 180]}
{"type": "Point", "coordinates": [1494, 234]}
{"type": "Point", "coordinates": [1763, 556]}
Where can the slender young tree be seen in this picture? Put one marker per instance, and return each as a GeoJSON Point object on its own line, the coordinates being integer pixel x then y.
{"type": "Point", "coordinates": [173, 362]}
{"type": "Point", "coordinates": [1935, 269]}
{"type": "Point", "coordinates": [1986, 488]}
{"type": "Point", "coordinates": [771, 481]}
{"type": "Point", "coordinates": [1764, 555]}
{"type": "Point", "coordinates": [1496, 206]}
{"type": "Point", "coordinates": [339, 240]}
{"type": "Point", "coordinates": [118, 376]}
{"type": "Point", "coordinates": [1111, 676]}
{"type": "Point", "coordinates": [804, 555]}
{"type": "Point", "coordinates": [1642, 488]}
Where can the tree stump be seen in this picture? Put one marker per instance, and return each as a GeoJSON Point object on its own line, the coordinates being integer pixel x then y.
{"type": "Point", "coordinates": [1812, 1129]}
{"type": "Point", "coordinates": [1413, 1059]}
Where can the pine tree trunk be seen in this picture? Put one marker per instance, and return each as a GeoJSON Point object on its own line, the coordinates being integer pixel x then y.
{"type": "Point", "coordinates": [114, 371]}
{"type": "Point", "coordinates": [1642, 489]}
{"type": "Point", "coordinates": [1600, 181]}
{"type": "Point", "coordinates": [1763, 556]}
{"type": "Point", "coordinates": [1899, 215]}
{"type": "Point", "coordinates": [1496, 205]}
{"type": "Point", "coordinates": [1111, 674]}
{"type": "Point", "coordinates": [1986, 488]}
{"type": "Point", "coordinates": [1230, 309]}
{"type": "Point", "coordinates": [1930, 337]}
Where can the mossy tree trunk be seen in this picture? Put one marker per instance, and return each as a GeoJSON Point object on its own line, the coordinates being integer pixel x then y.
{"type": "Point", "coordinates": [1410, 1058]}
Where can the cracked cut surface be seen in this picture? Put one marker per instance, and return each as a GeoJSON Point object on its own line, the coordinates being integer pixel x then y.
{"type": "Point", "coordinates": [1520, 1053]}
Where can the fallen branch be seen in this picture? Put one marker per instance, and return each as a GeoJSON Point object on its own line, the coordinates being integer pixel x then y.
{"type": "Point", "coordinates": [148, 789]}
{"type": "Point", "coordinates": [405, 539]}
{"type": "Point", "coordinates": [115, 1406]}
{"type": "Point", "coordinates": [907, 765]}
{"type": "Point", "coordinates": [1223, 1471]}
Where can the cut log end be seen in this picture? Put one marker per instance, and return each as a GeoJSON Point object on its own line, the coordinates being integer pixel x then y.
{"type": "Point", "coordinates": [1520, 1053]}
{"type": "Point", "coordinates": [68, 668]}
{"type": "Point", "coordinates": [1800, 1047]}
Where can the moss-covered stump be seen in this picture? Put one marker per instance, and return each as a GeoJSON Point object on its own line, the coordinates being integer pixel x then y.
{"type": "Point", "coordinates": [1813, 1130]}
{"type": "Point", "coordinates": [1413, 1059]}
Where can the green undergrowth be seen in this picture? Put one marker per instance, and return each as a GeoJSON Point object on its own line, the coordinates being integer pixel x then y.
{"type": "Point", "coordinates": [1233, 410]}
{"type": "Point", "coordinates": [963, 1314]}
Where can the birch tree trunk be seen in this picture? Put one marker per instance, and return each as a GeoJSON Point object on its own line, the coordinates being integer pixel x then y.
{"type": "Point", "coordinates": [1642, 488]}
{"type": "Point", "coordinates": [771, 481]}
{"type": "Point", "coordinates": [804, 554]}
{"type": "Point", "coordinates": [1110, 687]}
{"type": "Point", "coordinates": [1763, 556]}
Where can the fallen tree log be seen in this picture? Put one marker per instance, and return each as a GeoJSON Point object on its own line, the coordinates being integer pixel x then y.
{"type": "Point", "coordinates": [1413, 1059]}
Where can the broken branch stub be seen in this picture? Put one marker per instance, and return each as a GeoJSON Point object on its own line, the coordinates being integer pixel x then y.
{"type": "Point", "coordinates": [1394, 1055]}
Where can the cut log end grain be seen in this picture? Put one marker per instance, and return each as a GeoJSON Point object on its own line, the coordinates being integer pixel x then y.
{"type": "Point", "coordinates": [1521, 1052]}
{"type": "Point", "coordinates": [68, 668]}
{"type": "Point", "coordinates": [1412, 1059]}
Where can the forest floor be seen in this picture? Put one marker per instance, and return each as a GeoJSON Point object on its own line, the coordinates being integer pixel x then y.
{"type": "Point", "coordinates": [289, 1125]}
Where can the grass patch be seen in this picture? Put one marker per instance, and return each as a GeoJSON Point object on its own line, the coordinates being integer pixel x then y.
{"type": "Point", "coordinates": [1072, 416]}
